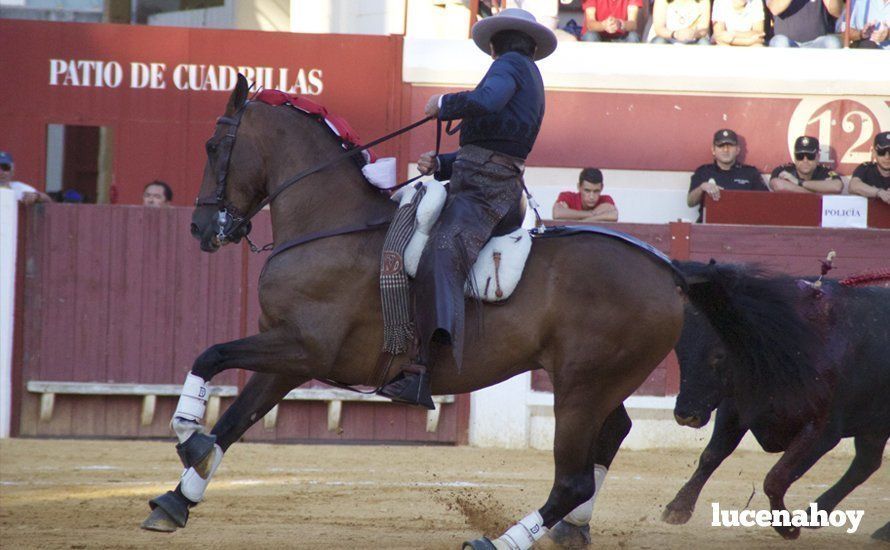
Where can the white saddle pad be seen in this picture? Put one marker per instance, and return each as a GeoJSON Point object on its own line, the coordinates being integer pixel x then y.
{"type": "Point", "coordinates": [493, 281]}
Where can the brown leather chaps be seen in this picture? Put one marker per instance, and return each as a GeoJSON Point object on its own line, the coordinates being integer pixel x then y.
{"type": "Point", "coordinates": [484, 198]}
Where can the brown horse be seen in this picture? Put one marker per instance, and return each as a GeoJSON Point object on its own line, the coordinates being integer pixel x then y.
{"type": "Point", "coordinates": [594, 312]}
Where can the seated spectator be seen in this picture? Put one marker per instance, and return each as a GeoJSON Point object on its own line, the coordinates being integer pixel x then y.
{"type": "Point", "coordinates": [804, 23]}
{"type": "Point", "coordinates": [546, 12]}
{"type": "Point", "coordinates": [588, 204]}
{"type": "Point", "coordinates": [870, 24]}
{"type": "Point", "coordinates": [24, 193]}
{"type": "Point", "coordinates": [872, 179]}
{"type": "Point", "coordinates": [738, 22]}
{"type": "Point", "coordinates": [724, 173]}
{"type": "Point", "coordinates": [157, 193]}
{"type": "Point", "coordinates": [611, 20]}
{"type": "Point", "coordinates": [680, 22]}
{"type": "Point", "coordinates": [805, 174]}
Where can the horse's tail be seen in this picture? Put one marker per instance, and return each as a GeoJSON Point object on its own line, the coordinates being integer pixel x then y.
{"type": "Point", "coordinates": [760, 321]}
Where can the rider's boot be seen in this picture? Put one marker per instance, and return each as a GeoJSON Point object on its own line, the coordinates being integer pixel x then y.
{"type": "Point", "coordinates": [411, 386]}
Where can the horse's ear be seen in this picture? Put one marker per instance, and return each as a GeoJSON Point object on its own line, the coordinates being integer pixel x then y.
{"type": "Point", "coordinates": [239, 95]}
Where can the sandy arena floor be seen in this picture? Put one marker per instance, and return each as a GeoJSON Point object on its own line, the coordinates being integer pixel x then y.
{"type": "Point", "coordinates": [92, 494]}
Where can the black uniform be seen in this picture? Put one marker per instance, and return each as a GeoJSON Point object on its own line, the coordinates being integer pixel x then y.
{"type": "Point", "coordinates": [868, 172]}
{"type": "Point", "coordinates": [820, 173]}
{"type": "Point", "coordinates": [740, 177]}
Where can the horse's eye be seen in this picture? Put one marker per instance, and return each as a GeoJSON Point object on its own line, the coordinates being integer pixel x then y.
{"type": "Point", "coordinates": [211, 147]}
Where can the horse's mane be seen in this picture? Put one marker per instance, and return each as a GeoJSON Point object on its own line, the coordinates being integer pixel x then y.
{"type": "Point", "coordinates": [336, 125]}
{"type": "Point", "coordinates": [794, 381]}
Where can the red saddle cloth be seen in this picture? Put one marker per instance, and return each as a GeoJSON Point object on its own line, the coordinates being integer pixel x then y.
{"type": "Point", "coordinates": [336, 123]}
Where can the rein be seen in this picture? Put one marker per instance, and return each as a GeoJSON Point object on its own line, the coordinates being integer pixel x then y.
{"type": "Point", "coordinates": [231, 221]}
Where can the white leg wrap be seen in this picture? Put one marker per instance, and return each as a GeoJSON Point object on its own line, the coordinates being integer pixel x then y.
{"type": "Point", "coordinates": [193, 400]}
{"type": "Point", "coordinates": [582, 514]}
{"type": "Point", "coordinates": [522, 535]}
{"type": "Point", "coordinates": [193, 485]}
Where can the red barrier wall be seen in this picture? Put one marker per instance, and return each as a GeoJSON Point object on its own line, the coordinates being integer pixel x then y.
{"type": "Point", "coordinates": [673, 132]}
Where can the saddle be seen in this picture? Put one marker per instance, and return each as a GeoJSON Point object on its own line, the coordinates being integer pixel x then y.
{"type": "Point", "coordinates": [501, 261]}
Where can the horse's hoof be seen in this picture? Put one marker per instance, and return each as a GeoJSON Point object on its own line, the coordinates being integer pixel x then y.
{"type": "Point", "coordinates": [570, 536]}
{"type": "Point", "coordinates": [479, 544]}
{"type": "Point", "coordinates": [882, 534]}
{"type": "Point", "coordinates": [675, 516]}
{"type": "Point", "coordinates": [168, 512]}
{"type": "Point", "coordinates": [159, 521]}
{"type": "Point", "coordinates": [788, 533]}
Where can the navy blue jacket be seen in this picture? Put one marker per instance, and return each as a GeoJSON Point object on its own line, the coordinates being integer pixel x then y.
{"type": "Point", "coordinates": [503, 113]}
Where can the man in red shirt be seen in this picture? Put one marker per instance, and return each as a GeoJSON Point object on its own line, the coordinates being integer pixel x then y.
{"type": "Point", "coordinates": [611, 20]}
{"type": "Point", "coordinates": [588, 204]}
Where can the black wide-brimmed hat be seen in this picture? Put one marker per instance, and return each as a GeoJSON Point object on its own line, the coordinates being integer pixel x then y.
{"type": "Point", "coordinates": [515, 19]}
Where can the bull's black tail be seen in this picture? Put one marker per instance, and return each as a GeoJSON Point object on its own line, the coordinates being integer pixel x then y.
{"type": "Point", "coordinates": [759, 318]}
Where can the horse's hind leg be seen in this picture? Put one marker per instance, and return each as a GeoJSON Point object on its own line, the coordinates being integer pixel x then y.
{"type": "Point", "coordinates": [573, 531]}
{"type": "Point", "coordinates": [580, 410]}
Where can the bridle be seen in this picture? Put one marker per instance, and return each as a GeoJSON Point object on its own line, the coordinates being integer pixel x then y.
{"type": "Point", "coordinates": [232, 224]}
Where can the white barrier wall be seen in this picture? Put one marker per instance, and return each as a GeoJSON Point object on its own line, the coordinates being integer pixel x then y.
{"type": "Point", "coordinates": [8, 228]}
{"type": "Point", "coordinates": [510, 415]}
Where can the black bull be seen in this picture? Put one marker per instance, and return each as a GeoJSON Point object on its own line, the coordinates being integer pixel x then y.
{"type": "Point", "coordinates": [852, 326]}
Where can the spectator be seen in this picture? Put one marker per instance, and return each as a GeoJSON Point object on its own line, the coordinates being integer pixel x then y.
{"type": "Point", "coordinates": [872, 179]}
{"type": "Point", "coordinates": [680, 22]}
{"type": "Point", "coordinates": [24, 193]}
{"type": "Point", "coordinates": [546, 12]}
{"type": "Point", "coordinates": [870, 24]}
{"type": "Point", "coordinates": [588, 204]}
{"type": "Point", "coordinates": [805, 174]}
{"type": "Point", "coordinates": [804, 23]}
{"type": "Point", "coordinates": [611, 20]}
{"type": "Point", "coordinates": [724, 173]}
{"type": "Point", "coordinates": [157, 193]}
{"type": "Point", "coordinates": [738, 22]}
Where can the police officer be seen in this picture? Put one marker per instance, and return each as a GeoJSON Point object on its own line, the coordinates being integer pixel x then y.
{"type": "Point", "coordinates": [805, 174]}
{"type": "Point", "coordinates": [500, 120]}
{"type": "Point", "coordinates": [872, 179]}
{"type": "Point", "coordinates": [723, 173]}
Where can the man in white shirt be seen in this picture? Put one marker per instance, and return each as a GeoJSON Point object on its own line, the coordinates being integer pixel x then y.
{"type": "Point", "coordinates": [24, 193]}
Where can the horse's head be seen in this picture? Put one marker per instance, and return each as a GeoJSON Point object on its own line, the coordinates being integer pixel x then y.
{"type": "Point", "coordinates": [233, 180]}
{"type": "Point", "coordinates": [704, 378]}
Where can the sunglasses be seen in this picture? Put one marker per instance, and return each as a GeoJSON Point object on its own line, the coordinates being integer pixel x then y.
{"type": "Point", "coordinates": [5, 167]}
{"type": "Point", "coordinates": [882, 152]}
{"type": "Point", "coordinates": [801, 156]}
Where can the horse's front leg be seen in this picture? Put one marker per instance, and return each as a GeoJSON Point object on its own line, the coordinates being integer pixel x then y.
{"type": "Point", "coordinates": [574, 529]}
{"type": "Point", "coordinates": [279, 370]}
{"type": "Point", "coordinates": [725, 438]}
{"type": "Point", "coordinates": [276, 351]}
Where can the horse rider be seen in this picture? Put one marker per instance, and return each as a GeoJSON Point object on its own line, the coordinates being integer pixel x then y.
{"type": "Point", "coordinates": [500, 120]}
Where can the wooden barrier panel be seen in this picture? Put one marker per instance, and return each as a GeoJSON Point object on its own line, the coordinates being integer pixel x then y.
{"type": "Point", "coordinates": [116, 304]}
{"type": "Point", "coordinates": [782, 209]}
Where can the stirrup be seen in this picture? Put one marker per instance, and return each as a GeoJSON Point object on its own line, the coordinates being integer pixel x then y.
{"type": "Point", "coordinates": [411, 388]}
